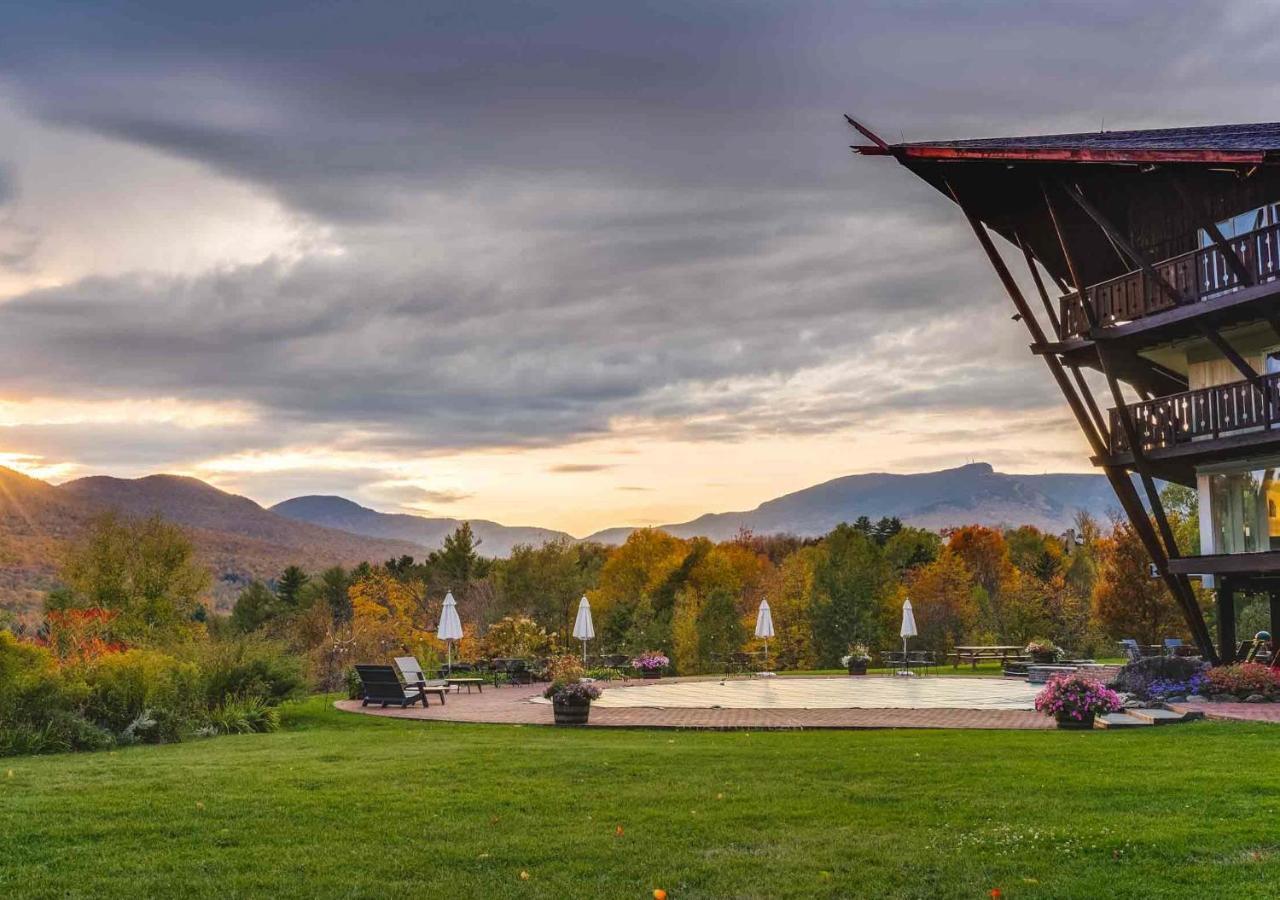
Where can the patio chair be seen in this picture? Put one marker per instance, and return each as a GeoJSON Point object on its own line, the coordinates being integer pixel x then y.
{"type": "Point", "coordinates": [1129, 646]}
{"type": "Point", "coordinates": [517, 671]}
{"type": "Point", "coordinates": [382, 685]}
{"type": "Point", "coordinates": [922, 659]}
{"type": "Point", "coordinates": [619, 662]}
{"type": "Point", "coordinates": [414, 675]}
{"type": "Point", "coordinates": [893, 659]}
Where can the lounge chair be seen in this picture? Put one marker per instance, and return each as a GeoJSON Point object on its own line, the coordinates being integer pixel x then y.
{"type": "Point", "coordinates": [1131, 651]}
{"type": "Point", "coordinates": [382, 685]}
{"type": "Point", "coordinates": [415, 676]}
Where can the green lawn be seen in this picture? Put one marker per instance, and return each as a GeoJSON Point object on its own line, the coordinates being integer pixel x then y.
{"type": "Point", "coordinates": [353, 806]}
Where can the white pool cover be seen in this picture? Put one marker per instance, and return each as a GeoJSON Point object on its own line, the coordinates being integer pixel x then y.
{"type": "Point", "coordinates": [828, 693]}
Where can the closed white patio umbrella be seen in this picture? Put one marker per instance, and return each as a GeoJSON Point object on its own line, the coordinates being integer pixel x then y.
{"type": "Point", "coordinates": [583, 628]}
{"type": "Point", "coordinates": [908, 630]}
{"type": "Point", "coordinates": [764, 628]}
{"type": "Point", "coordinates": [450, 629]}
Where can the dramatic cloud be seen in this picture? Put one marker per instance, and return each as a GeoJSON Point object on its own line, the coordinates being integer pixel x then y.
{"type": "Point", "coordinates": [510, 227]}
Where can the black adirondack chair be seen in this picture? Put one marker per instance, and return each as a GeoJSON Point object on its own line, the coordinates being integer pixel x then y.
{"type": "Point", "coordinates": [382, 685]}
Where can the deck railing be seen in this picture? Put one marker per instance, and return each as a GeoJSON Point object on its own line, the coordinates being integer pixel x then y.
{"type": "Point", "coordinates": [1198, 275]}
{"type": "Point", "coordinates": [1201, 414]}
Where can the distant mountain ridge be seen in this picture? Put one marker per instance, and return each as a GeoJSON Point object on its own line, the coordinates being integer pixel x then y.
{"type": "Point", "coordinates": [347, 515]}
{"type": "Point", "coordinates": [234, 536]}
{"type": "Point", "coordinates": [240, 540]}
{"type": "Point", "coordinates": [970, 494]}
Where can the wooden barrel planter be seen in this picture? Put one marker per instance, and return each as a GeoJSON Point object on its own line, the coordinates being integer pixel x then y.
{"type": "Point", "coordinates": [857, 667]}
{"type": "Point", "coordinates": [1044, 659]}
{"type": "Point", "coordinates": [1082, 723]}
{"type": "Point", "coordinates": [650, 673]}
{"type": "Point", "coordinates": [571, 713]}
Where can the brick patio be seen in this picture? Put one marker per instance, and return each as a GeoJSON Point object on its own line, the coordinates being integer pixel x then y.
{"type": "Point", "coordinates": [1240, 712]}
{"type": "Point", "coordinates": [516, 706]}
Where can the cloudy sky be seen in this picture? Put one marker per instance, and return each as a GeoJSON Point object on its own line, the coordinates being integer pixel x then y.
{"type": "Point", "coordinates": [574, 264]}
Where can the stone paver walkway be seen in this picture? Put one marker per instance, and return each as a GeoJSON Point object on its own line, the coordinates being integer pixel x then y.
{"type": "Point", "coordinates": [1242, 712]}
{"type": "Point", "coordinates": [523, 706]}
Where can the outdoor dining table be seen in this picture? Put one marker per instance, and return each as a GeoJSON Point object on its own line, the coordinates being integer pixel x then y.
{"type": "Point", "coordinates": [975, 653]}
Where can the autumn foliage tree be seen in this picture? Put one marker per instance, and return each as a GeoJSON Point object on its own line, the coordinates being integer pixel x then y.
{"type": "Point", "coordinates": [942, 595]}
{"type": "Point", "coordinates": [143, 570]}
{"type": "Point", "coordinates": [1127, 601]}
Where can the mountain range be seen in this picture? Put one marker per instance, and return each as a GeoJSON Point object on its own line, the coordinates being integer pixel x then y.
{"type": "Point", "coordinates": [240, 540]}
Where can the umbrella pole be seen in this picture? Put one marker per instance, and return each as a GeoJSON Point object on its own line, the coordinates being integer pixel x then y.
{"type": "Point", "coordinates": [584, 654]}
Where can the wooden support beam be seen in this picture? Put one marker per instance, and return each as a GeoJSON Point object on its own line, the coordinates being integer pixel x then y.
{"type": "Point", "coordinates": [867, 133]}
{"type": "Point", "coordinates": [1117, 237]}
{"type": "Point", "coordinates": [1241, 364]}
{"type": "Point", "coordinates": [1274, 597]}
{"type": "Point", "coordinates": [1037, 333]}
{"type": "Point", "coordinates": [1226, 603]}
{"type": "Point", "coordinates": [1099, 421]}
{"type": "Point", "coordinates": [1090, 314]}
{"type": "Point", "coordinates": [1044, 294]}
{"type": "Point", "coordinates": [1199, 214]}
{"type": "Point", "coordinates": [1179, 585]}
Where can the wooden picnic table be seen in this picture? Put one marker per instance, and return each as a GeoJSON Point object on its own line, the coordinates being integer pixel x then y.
{"type": "Point", "coordinates": [975, 653]}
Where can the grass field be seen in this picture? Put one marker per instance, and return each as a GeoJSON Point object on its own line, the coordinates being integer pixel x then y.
{"type": "Point", "coordinates": [339, 805]}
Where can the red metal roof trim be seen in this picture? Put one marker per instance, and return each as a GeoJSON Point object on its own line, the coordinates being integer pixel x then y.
{"type": "Point", "coordinates": [1070, 154]}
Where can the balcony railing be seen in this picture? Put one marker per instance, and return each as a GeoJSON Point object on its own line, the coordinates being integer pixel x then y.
{"type": "Point", "coordinates": [1204, 414]}
{"type": "Point", "coordinates": [1198, 275]}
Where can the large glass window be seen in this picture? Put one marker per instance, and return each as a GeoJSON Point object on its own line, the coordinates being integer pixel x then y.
{"type": "Point", "coordinates": [1244, 223]}
{"type": "Point", "coordinates": [1245, 510]}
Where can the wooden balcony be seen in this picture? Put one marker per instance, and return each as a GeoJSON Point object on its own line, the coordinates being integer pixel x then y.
{"type": "Point", "coordinates": [1239, 409]}
{"type": "Point", "coordinates": [1197, 276]}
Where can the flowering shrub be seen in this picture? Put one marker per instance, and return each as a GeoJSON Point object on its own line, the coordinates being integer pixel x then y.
{"type": "Point", "coordinates": [564, 669]}
{"type": "Point", "coordinates": [650, 661]}
{"type": "Point", "coordinates": [1157, 677]}
{"type": "Point", "coordinates": [1243, 679]}
{"type": "Point", "coordinates": [79, 636]}
{"type": "Point", "coordinates": [856, 652]}
{"type": "Point", "coordinates": [1161, 688]}
{"type": "Point", "coordinates": [1076, 697]}
{"type": "Point", "coordinates": [1041, 645]}
{"type": "Point", "coordinates": [573, 694]}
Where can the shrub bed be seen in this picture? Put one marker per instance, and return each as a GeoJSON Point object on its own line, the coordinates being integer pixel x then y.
{"type": "Point", "coordinates": [1158, 677]}
{"type": "Point", "coordinates": [1243, 680]}
{"type": "Point", "coordinates": [118, 697]}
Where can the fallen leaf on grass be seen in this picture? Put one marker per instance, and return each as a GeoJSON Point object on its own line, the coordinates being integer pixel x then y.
{"type": "Point", "coordinates": [524, 876]}
{"type": "Point", "coordinates": [617, 832]}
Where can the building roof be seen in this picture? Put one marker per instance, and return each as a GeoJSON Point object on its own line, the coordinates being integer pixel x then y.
{"type": "Point", "coordinates": [1233, 144]}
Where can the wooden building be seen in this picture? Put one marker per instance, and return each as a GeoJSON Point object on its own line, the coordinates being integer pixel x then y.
{"type": "Point", "coordinates": [1155, 261]}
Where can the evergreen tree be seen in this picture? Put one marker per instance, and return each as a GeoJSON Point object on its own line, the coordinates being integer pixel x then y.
{"type": "Point", "coordinates": [289, 586]}
{"type": "Point", "coordinates": [255, 607]}
{"type": "Point", "coordinates": [332, 589]}
{"type": "Point", "coordinates": [458, 560]}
